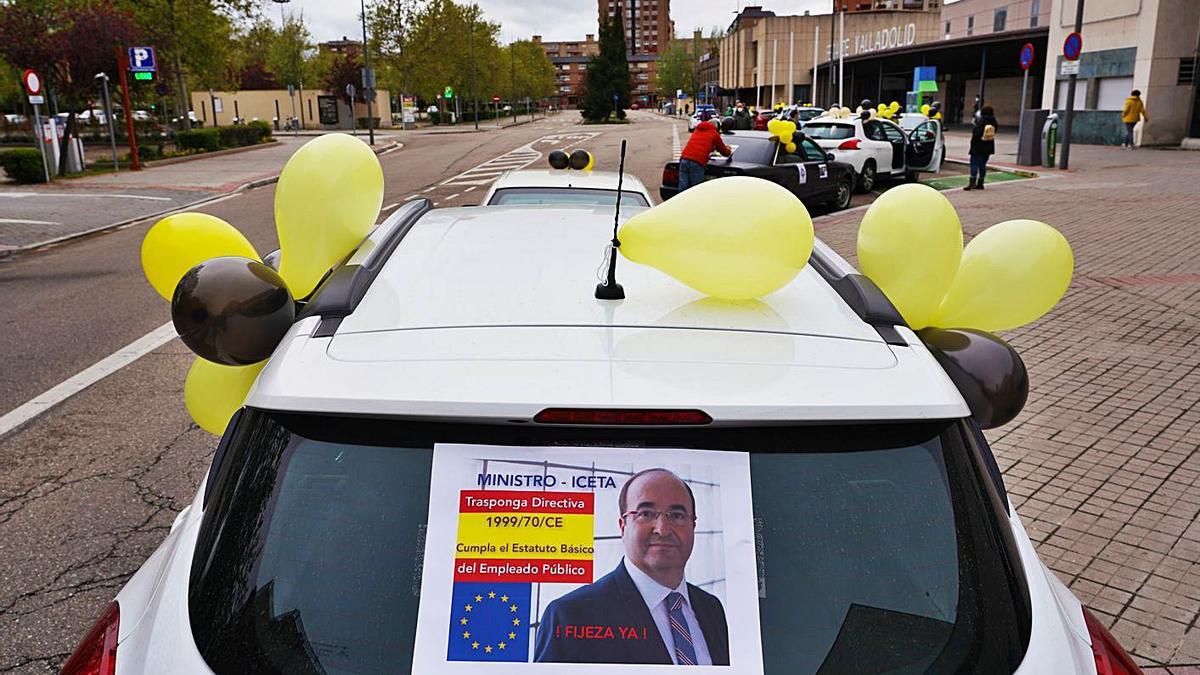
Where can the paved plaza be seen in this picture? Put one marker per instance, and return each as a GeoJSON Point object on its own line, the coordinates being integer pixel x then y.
{"type": "Point", "coordinates": [1103, 464]}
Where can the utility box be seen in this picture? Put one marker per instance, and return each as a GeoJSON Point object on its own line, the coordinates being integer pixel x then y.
{"type": "Point", "coordinates": [1049, 144]}
{"type": "Point", "coordinates": [51, 138]}
{"type": "Point", "coordinates": [1029, 143]}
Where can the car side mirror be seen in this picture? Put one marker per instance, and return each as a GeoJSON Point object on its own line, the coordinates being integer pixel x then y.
{"type": "Point", "coordinates": [829, 156]}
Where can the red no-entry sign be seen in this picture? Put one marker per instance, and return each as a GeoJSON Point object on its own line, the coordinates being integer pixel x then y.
{"type": "Point", "coordinates": [32, 82]}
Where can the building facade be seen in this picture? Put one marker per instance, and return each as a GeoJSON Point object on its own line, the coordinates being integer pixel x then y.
{"type": "Point", "coordinates": [648, 25]}
{"type": "Point", "coordinates": [1149, 45]}
{"type": "Point", "coordinates": [351, 49]}
{"type": "Point", "coordinates": [570, 60]}
{"type": "Point", "coordinates": [885, 5]}
{"type": "Point", "coordinates": [766, 59]}
{"type": "Point", "coordinates": [312, 108]}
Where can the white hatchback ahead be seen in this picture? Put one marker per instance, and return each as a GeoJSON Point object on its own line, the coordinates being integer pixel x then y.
{"type": "Point", "coordinates": [879, 148]}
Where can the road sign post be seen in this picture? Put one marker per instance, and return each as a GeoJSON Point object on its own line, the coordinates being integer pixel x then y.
{"type": "Point", "coordinates": [1026, 61]}
{"type": "Point", "coordinates": [1072, 48]}
{"type": "Point", "coordinates": [108, 113]}
{"type": "Point", "coordinates": [33, 86]}
{"type": "Point", "coordinates": [350, 97]}
{"type": "Point", "coordinates": [123, 65]}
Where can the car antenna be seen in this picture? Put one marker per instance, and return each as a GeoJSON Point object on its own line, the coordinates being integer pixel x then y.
{"type": "Point", "coordinates": [608, 288]}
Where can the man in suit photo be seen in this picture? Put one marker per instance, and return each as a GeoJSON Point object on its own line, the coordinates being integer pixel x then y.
{"type": "Point", "coordinates": [644, 611]}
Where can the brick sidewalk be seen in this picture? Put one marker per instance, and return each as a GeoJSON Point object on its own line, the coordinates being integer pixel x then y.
{"type": "Point", "coordinates": [1103, 463]}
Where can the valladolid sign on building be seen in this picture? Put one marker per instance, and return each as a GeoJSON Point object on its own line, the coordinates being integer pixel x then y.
{"type": "Point", "coordinates": [879, 40]}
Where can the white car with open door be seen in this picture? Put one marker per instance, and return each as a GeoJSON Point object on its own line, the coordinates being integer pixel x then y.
{"type": "Point", "coordinates": [879, 148]}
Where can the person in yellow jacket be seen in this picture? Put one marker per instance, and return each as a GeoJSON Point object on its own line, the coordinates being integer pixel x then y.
{"type": "Point", "coordinates": [1133, 112]}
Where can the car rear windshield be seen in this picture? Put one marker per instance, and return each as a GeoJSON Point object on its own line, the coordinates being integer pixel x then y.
{"type": "Point", "coordinates": [827, 131]}
{"type": "Point", "coordinates": [880, 548]}
{"type": "Point", "coordinates": [749, 150]}
{"type": "Point", "coordinates": [564, 197]}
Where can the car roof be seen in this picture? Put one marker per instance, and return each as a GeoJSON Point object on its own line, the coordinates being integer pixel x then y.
{"type": "Point", "coordinates": [565, 178]}
{"type": "Point", "coordinates": [488, 312]}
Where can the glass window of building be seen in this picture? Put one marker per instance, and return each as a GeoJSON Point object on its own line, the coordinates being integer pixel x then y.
{"type": "Point", "coordinates": [1001, 18]}
{"type": "Point", "coordinates": [1111, 92]}
{"type": "Point", "coordinates": [970, 25]}
{"type": "Point", "coordinates": [1035, 8]}
{"type": "Point", "coordinates": [947, 33]}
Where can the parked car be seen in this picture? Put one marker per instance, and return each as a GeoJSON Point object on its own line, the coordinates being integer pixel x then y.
{"type": "Point", "coordinates": [879, 147]}
{"type": "Point", "coordinates": [565, 188]}
{"type": "Point", "coordinates": [761, 119]}
{"type": "Point", "coordinates": [801, 114]}
{"type": "Point", "coordinates": [810, 173]}
{"type": "Point", "coordinates": [13, 118]}
{"type": "Point", "coordinates": [884, 537]}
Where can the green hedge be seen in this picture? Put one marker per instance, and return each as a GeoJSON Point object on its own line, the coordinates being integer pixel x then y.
{"type": "Point", "coordinates": [224, 137]}
{"type": "Point", "coordinates": [199, 139]}
{"type": "Point", "coordinates": [23, 165]}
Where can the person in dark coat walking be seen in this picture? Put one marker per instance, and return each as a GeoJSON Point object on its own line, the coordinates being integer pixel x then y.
{"type": "Point", "coordinates": [983, 146]}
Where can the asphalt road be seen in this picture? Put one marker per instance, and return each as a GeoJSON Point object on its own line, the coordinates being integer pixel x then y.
{"type": "Point", "coordinates": [90, 488]}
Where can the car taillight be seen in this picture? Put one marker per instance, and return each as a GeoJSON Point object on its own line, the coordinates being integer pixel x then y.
{"type": "Point", "coordinates": [851, 144]}
{"type": "Point", "coordinates": [760, 124]}
{"type": "Point", "coordinates": [620, 417]}
{"type": "Point", "coordinates": [670, 176]}
{"type": "Point", "coordinates": [1111, 658]}
{"type": "Point", "coordinates": [96, 653]}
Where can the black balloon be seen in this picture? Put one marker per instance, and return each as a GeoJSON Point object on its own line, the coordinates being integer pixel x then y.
{"type": "Point", "coordinates": [272, 259]}
{"type": "Point", "coordinates": [580, 159]}
{"type": "Point", "coordinates": [559, 159]}
{"type": "Point", "coordinates": [989, 373]}
{"type": "Point", "coordinates": [232, 310]}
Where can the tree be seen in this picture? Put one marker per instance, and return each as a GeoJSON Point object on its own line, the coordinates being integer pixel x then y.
{"type": "Point", "coordinates": [607, 75]}
{"type": "Point", "coordinates": [676, 71]}
{"type": "Point", "coordinates": [68, 48]}
{"type": "Point", "coordinates": [344, 71]}
{"type": "Point", "coordinates": [425, 45]}
{"type": "Point", "coordinates": [289, 52]}
{"type": "Point", "coordinates": [531, 73]}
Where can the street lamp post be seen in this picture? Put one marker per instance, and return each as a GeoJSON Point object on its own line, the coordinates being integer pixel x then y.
{"type": "Point", "coordinates": [108, 115]}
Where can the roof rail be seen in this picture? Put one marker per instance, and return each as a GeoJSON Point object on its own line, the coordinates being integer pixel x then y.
{"type": "Point", "coordinates": [339, 294]}
{"type": "Point", "coordinates": [863, 296]}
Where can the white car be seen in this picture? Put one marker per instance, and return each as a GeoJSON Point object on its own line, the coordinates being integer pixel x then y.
{"type": "Point", "coordinates": [880, 148]}
{"type": "Point", "coordinates": [885, 541]}
{"type": "Point", "coordinates": [698, 116]}
{"type": "Point", "coordinates": [565, 188]}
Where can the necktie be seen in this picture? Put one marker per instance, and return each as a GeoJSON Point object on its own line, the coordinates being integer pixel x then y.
{"type": "Point", "coordinates": [685, 651]}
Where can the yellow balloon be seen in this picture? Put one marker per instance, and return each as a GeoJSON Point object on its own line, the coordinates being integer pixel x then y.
{"type": "Point", "coordinates": [909, 243]}
{"type": "Point", "coordinates": [925, 109]}
{"type": "Point", "coordinates": [894, 106]}
{"type": "Point", "coordinates": [1011, 274]}
{"type": "Point", "coordinates": [326, 201]}
{"type": "Point", "coordinates": [591, 162]}
{"type": "Point", "coordinates": [214, 392]}
{"type": "Point", "coordinates": [773, 126]}
{"type": "Point", "coordinates": [790, 147]}
{"type": "Point", "coordinates": [734, 238]}
{"type": "Point", "coordinates": [178, 243]}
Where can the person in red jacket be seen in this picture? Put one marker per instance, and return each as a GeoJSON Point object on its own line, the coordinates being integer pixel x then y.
{"type": "Point", "coordinates": [694, 158]}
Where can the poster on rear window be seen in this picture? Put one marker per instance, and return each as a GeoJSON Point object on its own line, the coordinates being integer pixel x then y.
{"type": "Point", "coordinates": [596, 557]}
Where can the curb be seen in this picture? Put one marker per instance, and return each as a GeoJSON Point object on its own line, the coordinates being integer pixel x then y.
{"type": "Point", "coordinates": [1024, 173]}
{"type": "Point", "coordinates": [100, 229]}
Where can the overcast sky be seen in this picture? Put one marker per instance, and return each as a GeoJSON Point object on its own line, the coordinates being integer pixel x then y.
{"type": "Point", "coordinates": [553, 19]}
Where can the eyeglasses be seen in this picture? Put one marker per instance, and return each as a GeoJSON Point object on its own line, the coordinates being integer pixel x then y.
{"type": "Point", "coordinates": [647, 516]}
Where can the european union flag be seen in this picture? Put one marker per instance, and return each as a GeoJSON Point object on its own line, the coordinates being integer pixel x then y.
{"type": "Point", "coordinates": [489, 622]}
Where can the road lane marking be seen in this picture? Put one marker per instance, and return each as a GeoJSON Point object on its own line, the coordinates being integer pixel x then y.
{"type": "Point", "coordinates": [675, 146]}
{"type": "Point", "coordinates": [453, 196]}
{"type": "Point", "coordinates": [389, 207]}
{"type": "Point", "coordinates": [57, 195]}
{"type": "Point", "coordinates": [22, 221]}
{"type": "Point", "coordinates": [471, 188]}
{"type": "Point", "coordinates": [87, 377]}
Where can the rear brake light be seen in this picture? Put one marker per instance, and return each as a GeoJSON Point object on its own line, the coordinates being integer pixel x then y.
{"type": "Point", "coordinates": [670, 176]}
{"type": "Point", "coordinates": [851, 144]}
{"type": "Point", "coordinates": [1111, 658]}
{"type": "Point", "coordinates": [96, 653]}
{"type": "Point", "coordinates": [619, 417]}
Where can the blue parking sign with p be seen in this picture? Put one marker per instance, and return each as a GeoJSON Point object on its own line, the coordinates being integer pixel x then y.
{"type": "Point", "coordinates": [141, 59]}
